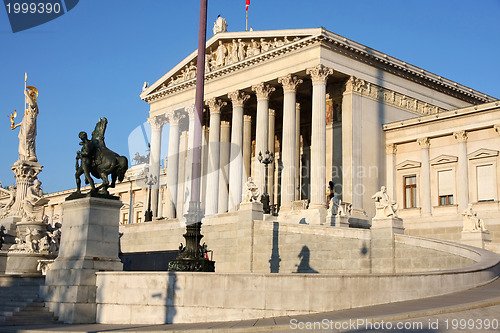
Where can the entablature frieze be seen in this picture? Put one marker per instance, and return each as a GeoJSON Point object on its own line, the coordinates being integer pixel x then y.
{"type": "Point", "coordinates": [390, 97]}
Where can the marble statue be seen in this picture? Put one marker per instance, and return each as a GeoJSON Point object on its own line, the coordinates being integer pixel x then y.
{"type": "Point", "coordinates": [54, 238]}
{"type": "Point", "coordinates": [241, 50]}
{"type": "Point", "coordinates": [470, 220]}
{"type": "Point", "coordinates": [34, 203]}
{"type": "Point", "coordinates": [384, 205]}
{"type": "Point", "coordinates": [252, 191]}
{"type": "Point", "coordinates": [99, 161]}
{"type": "Point", "coordinates": [5, 209]}
{"type": "Point", "coordinates": [27, 133]}
{"type": "Point", "coordinates": [220, 55]}
{"type": "Point", "coordinates": [338, 208]}
{"type": "Point", "coordinates": [220, 25]}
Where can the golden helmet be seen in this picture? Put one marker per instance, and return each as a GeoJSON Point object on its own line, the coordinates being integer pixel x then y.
{"type": "Point", "coordinates": [33, 92]}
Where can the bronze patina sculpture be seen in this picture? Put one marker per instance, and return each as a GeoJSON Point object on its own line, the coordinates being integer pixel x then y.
{"type": "Point", "coordinates": [99, 161]}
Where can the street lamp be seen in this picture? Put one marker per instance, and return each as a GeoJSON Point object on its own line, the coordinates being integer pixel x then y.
{"type": "Point", "coordinates": [265, 159]}
{"type": "Point", "coordinates": [150, 180]}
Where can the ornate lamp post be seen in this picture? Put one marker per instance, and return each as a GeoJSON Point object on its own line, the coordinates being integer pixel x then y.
{"type": "Point", "coordinates": [267, 159]}
{"type": "Point", "coordinates": [150, 181]}
{"type": "Point", "coordinates": [192, 257]}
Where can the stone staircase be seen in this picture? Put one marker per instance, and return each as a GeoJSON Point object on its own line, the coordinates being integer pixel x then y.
{"type": "Point", "coordinates": [19, 302]}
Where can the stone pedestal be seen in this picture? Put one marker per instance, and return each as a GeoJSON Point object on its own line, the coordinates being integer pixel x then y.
{"type": "Point", "coordinates": [475, 238]}
{"type": "Point", "coordinates": [382, 243]}
{"type": "Point", "coordinates": [250, 211]}
{"type": "Point", "coordinates": [339, 221]}
{"type": "Point", "coordinates": [23, 262]}
{"type": "Point", "coordinates": [89, 243]}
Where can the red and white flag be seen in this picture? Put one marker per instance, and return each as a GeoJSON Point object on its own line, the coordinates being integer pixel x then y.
{"type": "Point", "coordinates": [248, 4]}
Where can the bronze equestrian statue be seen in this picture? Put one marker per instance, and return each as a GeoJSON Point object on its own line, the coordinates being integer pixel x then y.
{"type": "Point", "coordinates": [99, 161]}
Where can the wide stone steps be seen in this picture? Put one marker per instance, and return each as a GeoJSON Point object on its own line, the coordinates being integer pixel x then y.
{"type": "Point", "coordinates": [19, 302]}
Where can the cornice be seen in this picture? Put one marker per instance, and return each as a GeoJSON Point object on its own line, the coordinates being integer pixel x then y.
{"type": "Point", "coordinates": [364, 88]}
{"type": "Point", "coordinates": [406, 70]}
{"type": "Point", "coordinates": [301, 39]}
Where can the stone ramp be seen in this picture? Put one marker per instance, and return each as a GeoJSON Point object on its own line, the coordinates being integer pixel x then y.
{"type": "Point", "coordinates": [19, 301]}
{"type": "Point", "coordinates": [476, 298]}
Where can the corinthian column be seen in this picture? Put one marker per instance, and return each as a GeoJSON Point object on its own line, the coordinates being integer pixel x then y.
{"type": "Point", "coordinates": [190, 150]}
{"type": "Point", "coordinates": [462, 171]}
{"type": "Point", "coordinates": [247, 146]}
{"type": "Point", "coordinates": [156, 124]}
{"type": "Point", "coordinates": [238, 98]}
{"type": "Point", "coordinates": [173, 161]}
{"type": "Point", "coordinates": [425, 177]}
{"type": "Point", "coordinates": [289, 83]}
{"type": "Point", "coordinates": [319, 75]}
{"type": "Point", "coordinates": [212, 196]}
{"type": "Point", "coordinates": [262, 90]}
{"type": "Point", "coordinates": [225, 133]}
{"type": "Point", "coordinates": [270, 146]}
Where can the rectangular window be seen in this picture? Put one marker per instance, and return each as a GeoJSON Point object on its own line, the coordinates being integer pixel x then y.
{"type": "Point", "coordinates": [138, 217]}
{"type": "Point", "coordinates": [125, 218]}
{"type": "Point", "coordinates": [485, 183]}
{"type": "Point", "coordinates": [445, 187]}
{"type": "Point", "coordinates": [410, 191]}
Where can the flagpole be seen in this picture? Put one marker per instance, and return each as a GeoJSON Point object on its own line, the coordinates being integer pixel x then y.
{"type": "Point", "coordinates": [246, 26]}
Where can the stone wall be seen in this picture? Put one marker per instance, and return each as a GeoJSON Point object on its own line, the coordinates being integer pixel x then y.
{"type": "Point", "coordinates": [180, 297]}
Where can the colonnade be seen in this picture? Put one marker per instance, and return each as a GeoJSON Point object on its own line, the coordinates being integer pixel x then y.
{"type": "Point", "coordinates": [229, 157]}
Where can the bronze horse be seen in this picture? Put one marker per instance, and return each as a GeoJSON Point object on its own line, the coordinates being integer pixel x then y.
{"type": "Point", "coordinates": [99, 161]}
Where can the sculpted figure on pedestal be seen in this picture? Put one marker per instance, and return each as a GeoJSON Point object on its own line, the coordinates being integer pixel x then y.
{"type": "Point", "coordinates": [471, 221]}
{"type": "Point", "coordinates": [5, 210]}
{"type": "Point", "coordinates": [252, 191]}
{"type": "Point", "coordinates": [34, 203]}
{"type": "Point", "coordinates": [27, 133]}
{"type": "Point", "coordinates": [384, 205]}
{"type": "Point", "coordinates": [99, 161]}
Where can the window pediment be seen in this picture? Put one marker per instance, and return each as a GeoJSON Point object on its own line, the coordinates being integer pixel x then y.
{"type": "Point", "coordinates": [442, 159]}
{"type": "Point", "coordinates": [408, 164]}
{"type": "Point", "coordinates": [482, 153]}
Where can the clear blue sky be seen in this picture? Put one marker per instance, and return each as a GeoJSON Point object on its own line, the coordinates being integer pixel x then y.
{"type": "Point", "coordinates": [92, 61]}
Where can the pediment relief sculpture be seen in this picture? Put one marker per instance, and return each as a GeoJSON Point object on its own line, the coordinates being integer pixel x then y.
{"type": "Point", "coordinates": [225, 53]}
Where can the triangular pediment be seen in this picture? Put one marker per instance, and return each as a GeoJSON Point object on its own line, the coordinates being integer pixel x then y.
{"type": "Point", "coordinates": [138, 204]}
{"type": "Point", "coordinates": [229, 50]}
{"type": "Point", "coordinates": [482, 153]}
{"type": "Point", "coordinates": [442, 159]}
{"type": "Point", "coordinates": [408, 164]}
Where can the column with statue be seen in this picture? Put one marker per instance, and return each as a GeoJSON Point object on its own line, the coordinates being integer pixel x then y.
{"type": "Point", "coordinates": [24, 215]}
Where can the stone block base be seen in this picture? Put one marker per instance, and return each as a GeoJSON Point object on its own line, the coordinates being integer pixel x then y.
{"type": "Point", "coordinates": [70, 288]}
{"type": "Point", "coordinates": [23, 263]}
{"type": "Point", "coordinates": [250, 211]}
{"type": "Point", "coordinates": [475, 238]}
{"type": "Point", "coordinates": [393, 223]}
{"type": "Point", "coordinates": [338, 221]}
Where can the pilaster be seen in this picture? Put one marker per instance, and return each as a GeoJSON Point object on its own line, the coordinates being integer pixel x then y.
{"type": "Point", "coordinates": [391, 150]}
{"type": "Point", "coordinates": [425, 177]}
{"type": "Point", "coordinates": [462, 170]}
